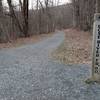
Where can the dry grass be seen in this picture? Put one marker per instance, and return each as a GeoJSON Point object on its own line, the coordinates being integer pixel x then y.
{"type": "Point", "coordinates": [76, 48]}
{"type": "Point", "coordinates": [24, 41]}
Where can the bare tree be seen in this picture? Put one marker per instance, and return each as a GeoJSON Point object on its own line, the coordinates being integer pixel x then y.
{"type": "Point", "coordinates": [1, 10]}
{"type": "Point", "coordinates": [83, 13]}
{"type": "Point", "coordinates": [13, 15]}
{"type": "Point", "coordinates": [25, 16]}
{"type": "Point", "coordinates": [21, 21]}
{"type": "Point", "coordinates": [97, 6]}
{"type": "Point", "coordinates": [1, 7]}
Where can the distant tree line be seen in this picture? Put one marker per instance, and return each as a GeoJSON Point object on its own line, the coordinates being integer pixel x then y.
{"type": "Point", "coordinates": [83, 13]}
{"type": "Point", "coordinates": [17, 20]}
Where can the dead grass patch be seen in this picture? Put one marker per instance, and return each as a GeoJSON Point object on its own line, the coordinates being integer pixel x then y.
{"type": "Point", "coordinates": [76, 48]}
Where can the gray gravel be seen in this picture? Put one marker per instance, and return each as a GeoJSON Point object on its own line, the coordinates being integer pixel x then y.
{"type": "Point", "coordinates": [27, 73]}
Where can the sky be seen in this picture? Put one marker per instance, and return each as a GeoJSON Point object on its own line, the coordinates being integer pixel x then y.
{"type": "Point", "coordinates": [32, 2]}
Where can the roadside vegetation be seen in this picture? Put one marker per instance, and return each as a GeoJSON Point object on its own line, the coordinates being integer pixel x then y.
{"type": "Point", "coordinates": [20, 19]}
{"type": "Point", "coordinates": [76, 48]}
{"type": "Point", "coordinates": [24, 41]}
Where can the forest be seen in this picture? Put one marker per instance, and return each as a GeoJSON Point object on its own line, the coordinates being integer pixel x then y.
{"type": "Point", "coordinates": [19, 20]}
{"type": "Point", "coordinates": [83, 13]}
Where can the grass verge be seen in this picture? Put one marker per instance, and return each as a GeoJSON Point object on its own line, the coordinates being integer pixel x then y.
{"type": "Point", "coordinates": [76, 48]}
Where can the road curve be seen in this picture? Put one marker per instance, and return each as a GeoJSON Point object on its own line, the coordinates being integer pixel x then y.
{"type": "Point", "coordinates": [27, 73]}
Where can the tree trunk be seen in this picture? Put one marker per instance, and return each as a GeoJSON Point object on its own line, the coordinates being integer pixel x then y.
{"type": "Point", "coordinates": [97, 6]}
{"type": "Point", "coordinates": [13, 16]}
{"type": "Point", "coordinates": [76, 16]}
{"type": "Point", "coordinates": [25, 16]}
{"type": "Point", "coordinates": [1, 8]}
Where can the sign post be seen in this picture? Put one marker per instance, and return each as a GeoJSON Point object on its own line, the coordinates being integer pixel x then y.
{"type": "Point", "coordinates": [96, 49]}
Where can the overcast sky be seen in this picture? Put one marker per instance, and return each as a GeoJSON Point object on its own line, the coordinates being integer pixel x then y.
{"type": "Point", "coordinates": [32, 2]}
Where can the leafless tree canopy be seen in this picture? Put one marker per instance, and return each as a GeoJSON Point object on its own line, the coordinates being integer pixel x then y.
{"type": "Point", "coordinates": [47, 15]}
{"type": "Point", "coordinates": [18, 20]}
{"type": "Point", "coordinates": [83, 13]}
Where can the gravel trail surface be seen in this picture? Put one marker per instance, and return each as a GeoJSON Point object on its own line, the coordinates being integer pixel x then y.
{"type": "Point", "coordinates": [27, 73]}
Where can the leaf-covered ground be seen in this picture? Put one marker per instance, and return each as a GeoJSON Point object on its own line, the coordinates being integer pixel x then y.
{"type": "Point", "coordinates": [76, 48]}
{"type": "Point", "coordinates": [23, 41]}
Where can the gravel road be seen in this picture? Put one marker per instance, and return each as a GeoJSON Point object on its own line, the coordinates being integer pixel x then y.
{"type": "Point", "coordinates": [27, 73]}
